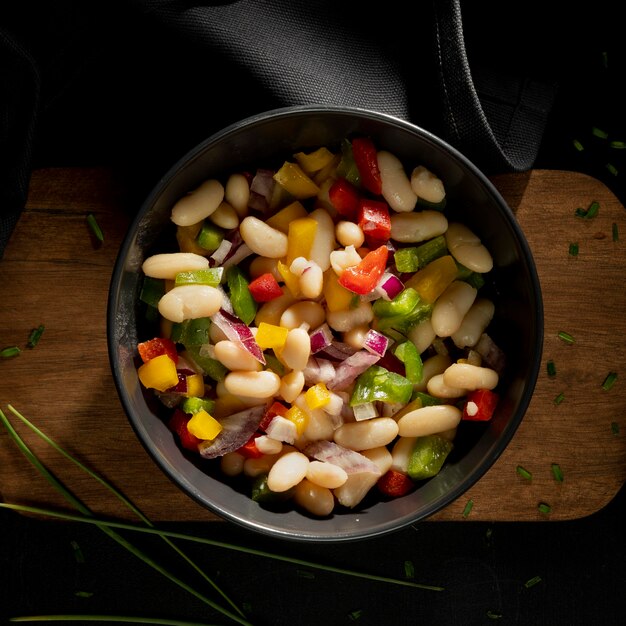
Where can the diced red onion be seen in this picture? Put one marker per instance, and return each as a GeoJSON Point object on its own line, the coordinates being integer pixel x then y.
{"type": "Point", "coordinates": [375, 342]}
{"type": "Point", "coordinates": [352, 462]}
{"type": "Point", "coordinates": [491, 353]}
{"type": "Point", "coordinates": [365, 411]}
{"type": "Point", "coordinates": [239, 255]}
{"type": "Point", "coordinates": [350, 368]}
{"type": "Point", "coordinates": [261, 189]}
{"type": "Point", "coordinates": [236, 431]}
{"type": "Point", "coordinates": [237, 331]}
{"type": "Point", "coordinates": [222, 252]}
{"type": "Point", "coordinates": [389, 286]}
{"type": "Point", "coordinates": [338, 350]}
{"type": "Point", "coordinates": [321, 337]}
{"type": "Point", "coordinates": [318, 371]}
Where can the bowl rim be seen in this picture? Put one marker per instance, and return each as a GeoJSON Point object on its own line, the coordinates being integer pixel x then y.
{"type": "Point", "coordinates": [463, 485]}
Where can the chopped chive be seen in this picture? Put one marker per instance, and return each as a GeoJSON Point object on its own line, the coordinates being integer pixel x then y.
{"type": "Point", "coordinates": [78, 553]}
{"type": "Point", "coordinates": [523, 472]}
{"type": "Point", "coordinates": [544, 508]}
{"type": "Point", "coordinates": [612, 169]}
{"type": "Point", "coordinates": [609, 381]}
{"type": "Point", "coordinates": [494, 615]}
{"type": "Point", "coordinates": [573, 249]}
{"type": "Point", "coordinates": [35, 336]}
{"type": "Point", "coordinates": [565, 336]}
{"type": "Point", "coordinates": [84, 594]}
{"type": "Point", "coordinates": [557, 472]}
{"type": "Point", "coordinates": [559, 398]}
{"type": "Point", "coordinates": [618, 145]}
{"type": "Point", "coordinates": [615, 232]}
{"type": "Point", "coordinates": [615, 428]}
{"type": "Point", "coordinates": [7, 353]}
{"type": "Point", "coordinates": [551, 368]}
{"type": "Point", "coordinates": [579, 146]}
{"type": "Point", "coordinates": [355, 615]}
{"type": "Point", "coordinates": [468, 508]}
{"type": "Point", "coordinates": [409, 569]}
{"type": "Point", "coordinates": [532, 582]}
{"type": "Point", "coordinates": [598, 132]}
{"type": "Point", "coordinates": [95, 228]}
{"type": "Point", "coordinates": [590, 212]}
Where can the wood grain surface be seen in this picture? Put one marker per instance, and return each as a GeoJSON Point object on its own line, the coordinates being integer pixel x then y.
{"type": "Point", "coordinates": [54, 273]}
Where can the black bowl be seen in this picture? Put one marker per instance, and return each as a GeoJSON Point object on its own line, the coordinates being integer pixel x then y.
{"type": "Point", "coordinates": [517, 326]}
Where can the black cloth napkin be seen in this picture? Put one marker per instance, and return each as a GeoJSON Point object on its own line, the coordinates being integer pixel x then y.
{"type": "Point", "coordinates": [145, 80]}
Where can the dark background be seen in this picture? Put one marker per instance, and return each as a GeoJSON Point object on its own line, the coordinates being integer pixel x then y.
{"type": "Point", "coordinates": [120, 89]}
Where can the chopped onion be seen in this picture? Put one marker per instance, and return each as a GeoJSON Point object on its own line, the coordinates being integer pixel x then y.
{"type": "Point", "coordinates": [375, 342]}
{"type": "Point", "coordinates": [350, 368]}
{"type": "Point", "coordinates": [261, 189]}
{"type": "Point", "coordinates": [318, 371]}
{"type": "Point", "coordinates": [238, 256]}
{"type": "Point", "coordinates": [389, 286]}
{"type": "Point", "coordinates": [352, 462]}
{"type": "Point", "coordinates": [282, 429]}
{"type": "Point", "coordinates": [237, 331]}
{"type": "Point", "coordinates": [338, 350]}
{"type": "Point", "coordinates": [365, 411]}
{"type": "Point", "coordinates": [321, 337]}
{"type": "Point", "coordinates": [492, 355]}
{"type": "Point", "coordinates": [222, 252]}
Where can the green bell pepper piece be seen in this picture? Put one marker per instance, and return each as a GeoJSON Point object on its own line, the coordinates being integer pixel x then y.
{"type": "Point", "coordinates": [428, 456]}
{"type": "Point", "coordinates": [211, 367]}
{"type": "Point", "coordinates": [402, 313]}
{"type": "Point", "coordinates": [377, 383]}
{"type": "Point", "coordinates": [211, 276]}
{"type": "Point", "coordinates": [263, 494]}
{"type": "Point", "coordinates": [426, 399]}
{"type": "Point", "coordinates": [244, 304]}
{"type": "Point", "coordinates": [347, 166]}
{"type": "Point", "coordinates": [152, 290]}
{"type": "Point", "coordinates": [193, 405]}
{"type": "Point", "coordinates": [413, 366]}
{"type": "Point", "coordinates": [413, 258]}
{"type": "Point", "coordinates": [475, 279]}
{"type": "Point", "coordinates": [210, 236]}
{"type": "Point", "coordinates": [193, 332]}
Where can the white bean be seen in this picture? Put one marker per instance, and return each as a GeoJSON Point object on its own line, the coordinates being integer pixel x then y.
{"type": "Point", "coordinates": [378, 431]}
{"type": "Point", "coordinates": [234, 357]}
{"type": "Point", "coordinates": [437, 387]}
{"type": "Point", "coordinates": [317, 500]}
{"type": "Point", "coordinates": [417, 226]}
{"type": "Point", "coordinates": [451, 306]}
{"type": "Point", "coordinates": [346, 320]}
{"type": "Point", "coordinates": [232, 463]}
{"type": "Point", "coordinates": [434, 365]}
{"type": "Point", "coordinates": [263, 239]}
{"type": "Point", "coordinates": [319, 424]}
{"type": "Point", "coordinates": [263, 265]}
{"type": "Point", "coordinates": [198, 204]}
{"type": "Point", "coordinates": [429, 420]}
{"type": "Point", "coordinates": [470, 376]}
{"type": "Point", "coordinates": [168, 264]}
{"type": "Point", "coordinates": [287, 472]}
{"type": "Point", "coordinates": [267, 445]}
{"type": "Point", "coordinates": [311, 281]}
{"type": "Point", "coordinates": [422, 335]}
{"type": "Point", "coordinates": [467, 249]}
{"type": "Point", "coordinates": [426, 185]}
{"type": "Point", "coordinates": [291, 385]}
{"type": "Point", "coordinates": [271, 312]}
{"type": "Point", "coordinates": [396, 187]}
{"type": "Point", "coordinates": [190, 302]}
{"type": "Point", "coordinates": [263, 384]}
{"type": "Point", "coordinates": [324, 241]}
{"type": "Point", "coordinates": [341, 260]}
{"type": "Point", "coordinates": [237, 193]}
{"type": "Point", "coordinates": [306, 312]}
{"type": "Point", "coordinates": [225, 216]}
{"type": "Point", "coordinates": [349, 234]}
{"type": "Point", "coordinates": [256, 466]}
{"type": "Point", "coordinates": [326, 475]}
{"type": "Point", "coordinates": [297, 349]}
{"type": "Point", "coordinates": [401, 453]}
{"type": "Point", "coordinates": [474, 323]}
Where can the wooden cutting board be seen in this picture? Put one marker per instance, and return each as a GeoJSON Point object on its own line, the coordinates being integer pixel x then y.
{"type": "Point", "coordinates": [53, 274]}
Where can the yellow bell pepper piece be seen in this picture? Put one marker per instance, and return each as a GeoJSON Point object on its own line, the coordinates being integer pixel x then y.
{"type": "Point", "coordinates": [431, 281]}
{"type": "Point", "coordinates": [204, 426]}
{"type": "Point", "coordinates": [317, 396]}
{"type": "Point", "coordinates": [291, 178]}
{"type": "Point", "coordinates": [226, 405]}
{"type": "Point", "coordinates": [195, 385]}
{"type": "Point", "coordinates": [270, 336]}
{"type": "Point", "coordinates": [312, 162]}
{"type": "Point", "coordinates": [300, 238]}
{"type": "Point", "coordinates": [281, 220]}
{"type": "Point", "coordinates": [158, 373]}
{"type": "Point", "coordinates": [337, 298]}
{"type": "Point", "coordinates": [292, 282]}
{"type": "Point", "coordinates": [328, 173]}
{"type": "Point", "coordinates": [298, 417]}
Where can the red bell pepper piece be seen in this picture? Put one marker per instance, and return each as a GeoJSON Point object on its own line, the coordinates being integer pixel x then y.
{"type": "Point", "coordinates": [375, 221]}
{"type": "Point", "coordinates": [366, 159]}
{"type": "Point", "coordinates": [249, 449]}
{"type": "Point", "coordinates": [344, 196]}
{"type": "Point", "coordinates": [265, 288]}
{"type": "Point", "coordinates": [394, 484]}
{"type": "Point", "coordinates": [156, 347]}
{"type": "Point", "coordinates": [178, 424]}
{"type": "Point", "coordinates": [485, 402]}
{"type": "Point", "coordinates": [276, 408]}
{"type": "Point", "coordinates": [364, 276]}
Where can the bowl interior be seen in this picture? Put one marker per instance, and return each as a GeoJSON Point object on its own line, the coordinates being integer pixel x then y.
{"type": "Point", "coordinates": [266, 140]}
